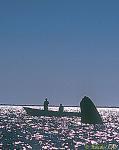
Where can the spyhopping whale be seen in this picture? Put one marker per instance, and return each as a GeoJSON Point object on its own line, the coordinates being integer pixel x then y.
{"type": "Point", "coordinates": [89, 113]}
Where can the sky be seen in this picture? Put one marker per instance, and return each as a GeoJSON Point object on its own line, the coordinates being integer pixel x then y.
{"type": "Point", "coordinates": [62, 50]}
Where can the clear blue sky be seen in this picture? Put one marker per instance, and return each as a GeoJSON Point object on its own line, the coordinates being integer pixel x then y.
{"type": "Point", "coordinates": [62, 50]}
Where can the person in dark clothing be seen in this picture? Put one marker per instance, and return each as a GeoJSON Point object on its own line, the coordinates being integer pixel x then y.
{"type": "Point", "coordinates": [46, 104]}
{"type": "Point", "coordinates": [61, 108]}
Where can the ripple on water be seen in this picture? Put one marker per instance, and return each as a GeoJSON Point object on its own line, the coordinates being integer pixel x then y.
{"type": "Point", "coordinates": [20, 131]}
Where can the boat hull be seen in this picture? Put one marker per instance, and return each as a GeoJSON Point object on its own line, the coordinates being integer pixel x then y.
{"type": "Point", "coordinates": [37, 112]}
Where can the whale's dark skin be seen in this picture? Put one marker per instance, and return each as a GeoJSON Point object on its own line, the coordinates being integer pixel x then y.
{"type": "Point", "coordinates": [89, 113]}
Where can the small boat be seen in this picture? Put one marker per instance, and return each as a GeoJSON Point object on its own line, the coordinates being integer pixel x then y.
{"type": "Point", "coordinates": [49, 113]}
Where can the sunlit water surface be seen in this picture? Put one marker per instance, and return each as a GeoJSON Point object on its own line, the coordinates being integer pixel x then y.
{"type": "Point", "coordinates": [20, 131]}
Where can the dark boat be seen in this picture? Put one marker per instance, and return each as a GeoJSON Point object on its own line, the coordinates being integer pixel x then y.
{"type": "Point", "coordinates": [49, 113]}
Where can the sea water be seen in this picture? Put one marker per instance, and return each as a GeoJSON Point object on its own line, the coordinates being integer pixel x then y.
{"type": "Point", "coordinates": [22, 132]}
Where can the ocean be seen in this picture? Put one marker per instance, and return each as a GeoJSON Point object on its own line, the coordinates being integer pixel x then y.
{"type": "Point", "coordinates": [18, 131]}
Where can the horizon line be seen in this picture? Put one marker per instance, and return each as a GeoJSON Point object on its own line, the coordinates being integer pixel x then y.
{"type": "Point", "coordinates": [55, 105]}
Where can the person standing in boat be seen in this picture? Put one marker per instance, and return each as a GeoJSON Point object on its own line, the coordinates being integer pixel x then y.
{"type": "Point", "coordinates": [61, 108]}
{"type": "Point", "coordinates": [46, 103]}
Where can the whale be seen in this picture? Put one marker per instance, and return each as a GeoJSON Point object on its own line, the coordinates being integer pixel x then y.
{"type": "Point", "coordinates": [89, 112]}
